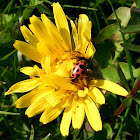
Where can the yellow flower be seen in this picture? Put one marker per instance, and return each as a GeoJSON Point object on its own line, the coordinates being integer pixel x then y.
{"type": "Point", "coordinates": [49, 88]}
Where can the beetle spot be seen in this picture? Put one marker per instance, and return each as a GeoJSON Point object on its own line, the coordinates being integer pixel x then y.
{"type": "Point", "coordinates": [77, 75]}
{"type": "Point", "coordinates": [77, 70]}
{"type": "Point", "coordinates": [82, 66]}
{"type": "Point", "coordinates": [83, 72]}
{"type": "Point", "coordinates": [72, 74]}
{"type": "Point", "coordinates": [73, 80]}
{"type": "Point", "coordinates": [77, 63]}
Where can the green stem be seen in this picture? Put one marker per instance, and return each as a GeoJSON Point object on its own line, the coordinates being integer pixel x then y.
{"type": "Point", "coordinates": [102, 12]}
{"type": "Point", "coordinates": [126, 51]}
{"type": "Point", "coordinates": [121, 127]}
{"type": "Point", "coordinates": [138, 118]}
{"type": "Point", "coordinates": [97, 21]}
{"type": "Point", "coordinates": [72, 6]}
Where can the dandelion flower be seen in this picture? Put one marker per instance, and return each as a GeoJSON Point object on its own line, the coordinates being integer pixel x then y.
{"type": "Point", "coordinates": [50, 88]}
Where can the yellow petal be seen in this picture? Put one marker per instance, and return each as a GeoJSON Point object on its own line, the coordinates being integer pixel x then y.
{"type": "Point", "coordinates": [96, 95]}
{"type": "Point", "coordinates": [66, 119]}
{"type": "Point", "coordinates": [110, 86]}
{"type": "Point", "coordinates": [28, 50]}
{"type": "Point", "coordinates": [40, 72]}
{"type": "Point", "coordinates": [29, 37]}
{"type": "Point", "coordinates": [32, 97]}
{"type": "Point", "coordinates": [78, 114]}
{"type": "Point", "coordinates": [53, 33]}
{"type": "Point", "coordinates": [43, 49]}
{"type": "Point", "coordinates": [60, 82]}
{"type": "Point", "coordinates": [84, 31]}
{"type": "Point", "coordinates": [62, 24]}
{"type": "Point", "coordinates": [52, 113]}
{"type": "Point", "coordinates": [75, 35]}
{"type": "Point", "coordinates": [23, 86]}
{"type": "Point", "coordinates": [82, 24]}
{"type": "Point", "coordinates": [37, 107]}
{"type": "Point", "coordinates": [40, 31]}
{"type": "Point", "coordinates": [82, 93]}
{"type": "Point", "coordinates": [90, 50]}
{"type": "Point", "coordinates": [64, 68]}
{"type": "Point", "coordinates": [31, 71]}
{"type": "Point", "coordinates": [55, 97]}
{"type": "Point", "coordinates": [92, 114]}
{"type": "Point", "coordinates": [47, 65]}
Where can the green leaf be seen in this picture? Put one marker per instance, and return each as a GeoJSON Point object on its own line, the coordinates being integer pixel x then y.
{"type": "Point", "coordinates": [138, 60]}
{"type": "Point", "coordinates": [83, 135]}
{"type": "Point", "coordinates": [6, 56]}
{"type": "Point", "coordinates": [137, 2]}
{"type": "Point", "coordinates": [5, 37]}
{"type": "Point", "coordinates": [76, 133]}
{"type": "Point", "coordinates": [132, 47]}
{"type": "Point", "coordinates": [137, 98]}
{"type": "Point", "coordinates": [104, 58]}
{"type": "Point", "coordinates": [127, 102]}
{"type": "Point", "coordinates": [28, 12]}
{"type": "Point", "coordinates": [136, 72]}
{"type": "Point", "coordinates": [118, 50]}
{"type": "Point", "coordinates": [109, 32]}
{"type": "Point", "coordinates": [47, 137]}
{"type": "Point", "coordinates": [9, 7]}
{"type": "Point", "coordinates": [122, 77]}
{"type": "Point", "coordinates": [32, 133]}
{"type": "Point", "coordinates": [44, 9]}
{"type": "Point", "coordinates": [35, 2]}
{"type": "Point", "coordinates": [108, 129]}
{"type": "Point", "coordinates": [111, 74]}
{"type": "Point", "coordinates": [9, 113]}
{"type": "Point", "coordinates": [123, 14]}
{"type": "Point", "coordinates": [131, 29]}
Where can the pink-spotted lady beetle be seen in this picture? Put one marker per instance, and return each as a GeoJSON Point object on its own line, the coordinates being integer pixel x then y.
{"type": "Point", "coordinates": [78, 70]}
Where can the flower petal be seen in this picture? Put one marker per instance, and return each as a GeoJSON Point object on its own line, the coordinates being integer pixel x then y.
{"type": "Point", "coordinates": [82, 93]}
{"type": "Point", "coordinates": [62, 24]}
{"type": "Point", "coordinates": [90, 50]}
{"type": "Point", "coordinates": [78, 114]}
{"type": "Point", "coordinates": [51, 112]}
{"type": "Point", "coordinates": [60, 82]}
{"type": "Point", "coordinates": [23, 86]}
{"type": "Point", "coordinates": [40, 31]}
{"type": "Point", "coordinates": [37, 107]}
{"type": "Point", "coordinates": [110, 86]}
{"type": "Point", "coordinates": [29, 37]}
{"type": "Point", "coordinates": [31, 71]}
{"type": "Point", "coordinates": [32, 97]}
{"type": "Point", "coordinates": [53, 33]}
{"type": "Point", "coordinates": [28, 50]}
{"type": "Point", "coordinates": [56, 97]}
{"type": "Point", "coordinates": [96, 95]}
{"type": "Point", "coordinates": [47, 65]}
{"type": "Point", "coordinates": [74, 35]}
{"type": "Point", "coordinates": [84, 31]}
{"type": "Point", "coordinates": [43, 49]}
{"type": "Point", "coordinates": [82, 24]}
{"type": "Point", "coordinates": [66, 119]}
{"type": "Point", "coordinates": [92, 113]}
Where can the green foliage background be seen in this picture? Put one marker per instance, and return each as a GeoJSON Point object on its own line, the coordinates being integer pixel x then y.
{"type": "Point", "coordinates": [115, 34]}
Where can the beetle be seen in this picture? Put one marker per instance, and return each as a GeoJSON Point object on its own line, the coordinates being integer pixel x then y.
{"type": "Point", "coordinates": [78, 70]}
